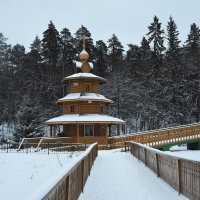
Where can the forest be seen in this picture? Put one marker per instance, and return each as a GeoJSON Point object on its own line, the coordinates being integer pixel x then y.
{"type": "Point", "coordinates": [153, 85]}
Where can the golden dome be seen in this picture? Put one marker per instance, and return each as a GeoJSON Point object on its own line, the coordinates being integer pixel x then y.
{"type": "Point", "coordinates": [84, 55]}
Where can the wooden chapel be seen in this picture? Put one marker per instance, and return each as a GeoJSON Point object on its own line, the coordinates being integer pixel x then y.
{"type": "Point", "coordinates": [84, 118]}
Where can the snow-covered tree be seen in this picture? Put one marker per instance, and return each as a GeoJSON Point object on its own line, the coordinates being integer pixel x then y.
{"type": "Point", "coordinates": [28, 122]}
{"type": "Point", "coordinates": [68, 51]}
{"type": "Point", "coordinates": [51, 44]}
{"type": "Point", "coordinates": [193, 40]}
{"type": "Point", "coordinates": [100, 54]}
{"type": "Point", "coordinates": [115, 52]}
{"type": "Point", "coordinates": [156, 36]}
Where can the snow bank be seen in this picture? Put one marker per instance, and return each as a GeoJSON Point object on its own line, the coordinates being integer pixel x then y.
{"type": "Point", "coordinates": [31, 176]}
{"type": "Point", "coordinates": [189, 154]}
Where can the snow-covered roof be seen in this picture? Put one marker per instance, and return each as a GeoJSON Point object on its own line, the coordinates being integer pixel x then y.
{"type": "Point", "coordinates": [82, 118]}
{"type": "Point", "coordinates": [83, 76]}
{"type": "Point", "coordinates": [79, 64]}
{"type": "Point", "coordinates": [84, 97]}
{"type": "Point", "coordinates": [83, 52]}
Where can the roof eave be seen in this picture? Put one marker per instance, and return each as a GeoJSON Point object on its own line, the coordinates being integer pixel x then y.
{"type": "Point", "coordinates": [84, 122]}
{"type": "Point", "coordinates": [79, 100]}
{"type": "Point", "coordinates": [101, 80]}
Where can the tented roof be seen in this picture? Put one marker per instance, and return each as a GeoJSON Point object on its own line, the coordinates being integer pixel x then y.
{"type": "Point", "coordinates": [85, 118]}
{"type": "Point", "coordinates": [84, 97]}
{"type": "Point", "coordinates": [84, 76]}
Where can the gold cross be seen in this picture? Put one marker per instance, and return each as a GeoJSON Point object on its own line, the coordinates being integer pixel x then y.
{"type": "Point", "coordinates": [84, 38]}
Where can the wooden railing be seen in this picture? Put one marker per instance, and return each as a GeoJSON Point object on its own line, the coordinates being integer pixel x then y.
{"type": "Point", "coordinates": [160, 137]}
{"type": "Point", "coordinates": [154, 138]}
{"type": "Point", "coordinates": [89, 140]}
{"type": "Point", "coordinates": [72, 184]}
{"type": "Point", "coordinates": [181, 174]}
{"type": "Point", "coordinates": [40, 141]}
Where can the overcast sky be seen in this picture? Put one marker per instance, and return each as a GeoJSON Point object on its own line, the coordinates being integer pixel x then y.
{"type": "Point", "coordinates": [22, 20]}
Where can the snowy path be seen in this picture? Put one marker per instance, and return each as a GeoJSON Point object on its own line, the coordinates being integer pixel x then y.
{"type": "Point", "coordinates": [119, 176]}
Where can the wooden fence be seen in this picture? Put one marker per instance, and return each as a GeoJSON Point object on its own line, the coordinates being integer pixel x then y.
{"type": "Point", "coordinates": [160, 137]}
{"type": "Point", "coordinates": [72, 184]}
{"type": "Point", "coordinates": [181, 174]}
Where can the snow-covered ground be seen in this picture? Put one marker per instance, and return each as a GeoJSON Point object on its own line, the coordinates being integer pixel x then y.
{"type": "Point", "coordinates": [120, 176]}
{"type": "Point", "coordinates": [188, 154]}
{"type": "Point", "coordinates": [114, 176]}
{"type": "Point", "coordinates": [28, 176]}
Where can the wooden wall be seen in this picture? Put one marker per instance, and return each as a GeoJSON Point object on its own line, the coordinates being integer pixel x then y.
{"type": "Point", "coordinates": [80, 86]}
{"type": "Point", "coordinates": [70, 130]}
{"type": "Point", "coordinates": [85, 107]}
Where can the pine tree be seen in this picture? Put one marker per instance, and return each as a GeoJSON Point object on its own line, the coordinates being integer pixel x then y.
{"type": "Point", "coordinates": [156, 37]}
{"type": "Point", "coordinates": [115, 52]}
{"type": "Point", "coordinates": [17, 58]}
{"type": "Point", "coordinates": [6, 74]}
{"type": "Point", "coordinates": [36, 51]}
{"type": "Point", "coordinates": [68, 51]}
{"type": "Point", "coordinates": [192, 73]}
{"type": "Point", "coordinates": [36, 45]}
{"type": "Point", "coordinates": [51, 50]}
{"type": "Point", "coordinates": [51, 45]}
{"type": "Point", "coordinates": [28, 120]}
{"type": "Point", "coordinates": [133, 61]}
{"type": "Point", "coordinates": [145, 59]}
{"type": "Point", "coordinates": [100, 54]}
{"type": "Point", "coordinates": [173, 57]}
{"type": "Point", "coordinates": [173, 77]}
{"type": "Point", "coordinates": [193, 41]}
{"type": "Point", "coordinates": [172, 38]}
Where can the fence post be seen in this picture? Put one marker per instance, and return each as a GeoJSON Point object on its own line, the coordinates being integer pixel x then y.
{"type": "Point", "coordinates": [132, 148]}
{"type": "Point", "coordinates": [125, 143]}
{"type": "Point", "coordinates": [179, 176]}
{"type": "Point", "coordinates": [138, 153]}
{"type": "Point", "coordinates": [48, 147]}
{"type": "Point", "coordinates": [145, 156]}
{"type": "Point", "coordinates": [157, 166]}
{"type": "Point", "coordinates": [7, 147]}
{"type": "Point", "coordinates": [26, 147]}
{"type": "Point", "coordinates": [82, 166]}
{"type": "Point", "coordinates": [66, 197]}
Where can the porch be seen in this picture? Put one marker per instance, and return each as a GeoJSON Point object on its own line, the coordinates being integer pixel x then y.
{"type": "Point", "coordinates": [87, 133]}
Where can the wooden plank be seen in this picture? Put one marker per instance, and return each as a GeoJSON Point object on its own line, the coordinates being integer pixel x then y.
{"type": "Point", "coordinates": [78, 134]}
{"type": "Point", "coordinates": [157, 165]}
{"type": "Point", "coordinates": [179, 176]}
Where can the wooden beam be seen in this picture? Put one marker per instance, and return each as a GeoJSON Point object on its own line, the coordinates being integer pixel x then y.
{"type": "Point", "coordinates": [77, 133]}
{"type": "Point", "coordinates": [106, 134]}
{"type": "Point", "coordinates": [109, 132]}
{"type": "Point", "coordinates": [118, 129]}
{"type": "Point", "coordinates": [157, 166]}
{"type": "Point", "coordinates": [50, 130]}
{"type": "Point", "coordinates": [179, 176]}
{"type": "Point", "coordinates": [54, 130]}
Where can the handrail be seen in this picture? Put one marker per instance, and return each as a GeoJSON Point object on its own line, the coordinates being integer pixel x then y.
{"type": "Point", "coordinates": [183, 175]}
{"type": "Point", "coordinates": [161, 137]}
{"type": "Point", "coordinates": [72, 183]}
